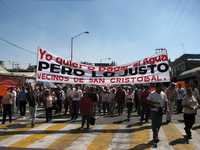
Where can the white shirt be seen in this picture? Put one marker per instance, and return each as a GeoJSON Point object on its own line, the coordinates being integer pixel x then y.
{"type": "Point", "coordinates": [76, 95]}
{"type": "Point", "coordinates": [158, 99]}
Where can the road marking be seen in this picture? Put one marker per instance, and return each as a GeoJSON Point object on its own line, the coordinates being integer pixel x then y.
{"type": "Point", "coordinates": [140, 138]}
{"type": "Point", "coordinates": [175, 138]}
{"type": "Point", "coordinates": [120, 140]}
{"type": "Point", "coordinates": [8, 132]}
{"type": "Point", "coordinates": [163, 144]}
{"type": "Point", "coordinates": [13, 139]}
{"type": "Point", "coordinates": [67, 139]}
{"type": "Point", "coordinates": [48, 140]}
{"type": "Point", "coordinates": [102, 141]}
{"type": "Point", "coordinates": [195, 136]}
{"type": "Point", "coordinates": [35, 137]}
{"type": "Point", "coordinates": [83, 142]}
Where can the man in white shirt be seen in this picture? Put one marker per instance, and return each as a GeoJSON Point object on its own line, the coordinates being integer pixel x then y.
{"type": "Point", "coordinates": [76, 97]}
{"type": "Point", "coordinates": [157, 100]}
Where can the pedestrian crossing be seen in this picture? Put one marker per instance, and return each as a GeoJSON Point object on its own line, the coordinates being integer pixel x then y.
{"type": "Point", "coordinates": [69, 136]}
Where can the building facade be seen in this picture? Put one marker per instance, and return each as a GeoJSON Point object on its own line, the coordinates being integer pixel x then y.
{"type": "Point", "coordinates": [184, 63]}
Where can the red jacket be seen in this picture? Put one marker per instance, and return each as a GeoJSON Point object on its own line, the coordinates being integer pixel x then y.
{"type": "Point", "coordinates": [86, 106]}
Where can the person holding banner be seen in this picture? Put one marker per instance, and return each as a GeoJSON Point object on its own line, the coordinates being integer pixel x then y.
{"type": "Point", "coordinates": [157, 100]}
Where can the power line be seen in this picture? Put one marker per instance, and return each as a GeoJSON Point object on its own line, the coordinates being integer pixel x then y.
{"type": "Point", "coordinates": [17, 46]}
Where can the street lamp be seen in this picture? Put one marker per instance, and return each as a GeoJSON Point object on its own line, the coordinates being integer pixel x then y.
{"type": "Point", "coordinates": [72, 40]}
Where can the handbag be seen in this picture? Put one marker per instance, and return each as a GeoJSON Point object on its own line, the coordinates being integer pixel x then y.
{"type": "Point", "coordinates": [92, 120]}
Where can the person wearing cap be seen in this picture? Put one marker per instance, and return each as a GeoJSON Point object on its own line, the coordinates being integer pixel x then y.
{"type": "Point", "coordinates": [156, 100]}
{"type": "Point", "coordinates": [171, 96]}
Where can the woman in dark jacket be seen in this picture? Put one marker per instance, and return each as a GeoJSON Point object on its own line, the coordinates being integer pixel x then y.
{"type": "Point", "coordinates": [86, 108]}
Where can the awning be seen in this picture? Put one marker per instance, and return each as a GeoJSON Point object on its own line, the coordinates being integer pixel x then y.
{"type": "Point", "coordinates": [190, 73]}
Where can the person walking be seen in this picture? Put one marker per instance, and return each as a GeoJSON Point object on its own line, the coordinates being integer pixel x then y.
{"type": "Point", "coordinates": [22, 99]}
{"type": "Point", "coordinates": [31, 98]}
{"type": "Point", "coordinates": [48, 105]}
{"type": "Point", "coordinates": [195, 91]}
{"type": "Point", "coordinates": [60, 100]}
{"type": "Point", "coordinates": [129, 103]}
{"type": "Point", "coordinates": [180, 95]}
{"type": "Point", "coordinates": [112, 101]}
{"type": "Point", "coordinates": [171, 96]}
{"type": "Point", "coordinates": [14, 106]}
{"type": "Point", "coordinates": [76, 97]}
{"type": "Point", "coordinates": [7, 102]}
{"type": "Point", "coordinates": [157, 100]}
{"type": "Point", "coordinates": [145, 109]}
{"type": "Point", "coordinates": [190, 106]}
{"type": "Point", "coordinates": [68, 99]}
{"type": "Point", "coordinates": [105, 101]}
{"type": "Point", "coordinates": [120, 99]}
{"type": "Point", "coordinates": [86, 108]}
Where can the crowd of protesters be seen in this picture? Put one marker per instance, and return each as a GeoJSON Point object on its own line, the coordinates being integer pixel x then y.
{"type": "Point", "coordinates": [88, 101]}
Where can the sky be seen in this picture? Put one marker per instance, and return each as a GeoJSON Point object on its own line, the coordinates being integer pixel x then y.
{"type": "Point", "coordinates": [123, 30]}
